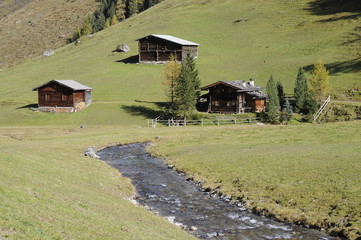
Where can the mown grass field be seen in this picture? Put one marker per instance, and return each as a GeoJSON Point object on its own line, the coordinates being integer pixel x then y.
{"type": "Point", "coordinates": [308, 174]}
{"type": "Point", "coordinates": [302, 173]}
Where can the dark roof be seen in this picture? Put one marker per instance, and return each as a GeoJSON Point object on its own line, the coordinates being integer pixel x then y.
{"type": "Point", "coordinates": [74, 85]}
{"type": "Point", "coordinates": [240, 86]}
{"type": "Point", "coordinates": [172, 39]}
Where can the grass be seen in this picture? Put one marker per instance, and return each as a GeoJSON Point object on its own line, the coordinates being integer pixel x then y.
{"type": "Point", "coordinates": [308, 174]}
{"type": "Point", "coordinates": [50, 191]}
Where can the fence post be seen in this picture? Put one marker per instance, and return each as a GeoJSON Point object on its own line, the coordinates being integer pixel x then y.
{"type": "Point", "coordinates": [250, 120]}
{"type": "Point", "coordinates": [217, 122]}
{"type": "Point", "coordinates": [235, 121]}
{"type": "Point", "coordinates": [168, 122]}
{"type": "Point", "coordinates": [148, 122]}
{"type": "Point", "coordinates": [202, 122]}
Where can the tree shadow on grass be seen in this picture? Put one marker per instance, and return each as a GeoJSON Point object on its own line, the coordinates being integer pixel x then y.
{"type": "Point", "coordinates": [33, 105]}
{"type": "Point", "coordinates": [130, 60]}
{"type": "Point", "coordinates": [148, 112]}
{"type": "Point", "coordinates": [328, 7]}
{"type": "Point", "coordinates": [336, 68]}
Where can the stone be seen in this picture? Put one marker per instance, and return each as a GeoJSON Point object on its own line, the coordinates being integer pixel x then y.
{"type": "Point", "coordinates": [91, 152]}
{"type": "Point", "coordinates": [48, 53]}
{"type": "Point", "coordinates": [122, 48]}
{"type": "Point", "coordinates": [193, 228]}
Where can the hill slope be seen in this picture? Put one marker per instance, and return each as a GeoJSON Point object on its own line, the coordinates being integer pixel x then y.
{"type": "Point", "coordinates": [38, 25]}
{"type": "Point", "coordinates": [278, 38]}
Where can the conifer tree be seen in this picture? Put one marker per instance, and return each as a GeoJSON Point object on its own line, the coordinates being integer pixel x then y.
{"type": "Point", "coordinates": [286, 114]}
{"type": "Point", "coordinates": [300, 90]}
{"type": "Point", "coordinates": [319, 81]}
{"type": "Point", "coordinates": [186, 91]}
{"type": "Point", "coordinates": [273, 105]}
{"type": "Point", "coordinates": [99, 22]}
{"type": "Point", "coordinates": [281, 94]}
{"type": "Point", "coordinates": [171, 75]}
{"type": "Point", "coordinates": [132, 7]}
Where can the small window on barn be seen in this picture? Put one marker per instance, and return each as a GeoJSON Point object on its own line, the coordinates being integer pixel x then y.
{"type": "Point", "coordinates": [64, 98]}
{"type": "Point", "coordinates": [47, 97]}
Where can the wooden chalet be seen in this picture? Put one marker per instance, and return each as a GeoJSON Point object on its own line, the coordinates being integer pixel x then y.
{"type": "Point", "coordinates": [158, 48]}
{"type": "Point", "coordinates": [63, 96]}
{"type": "Point", "coordinates": [232, 97]}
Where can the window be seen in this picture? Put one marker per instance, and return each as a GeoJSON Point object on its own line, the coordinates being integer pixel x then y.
{"type": "Point", "coordinates": [64, 98]}
{"type": "Point", "coordinates": [47, 97]}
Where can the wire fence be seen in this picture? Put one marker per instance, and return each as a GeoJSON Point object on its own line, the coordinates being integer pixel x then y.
{"type": "Point", "coordinates": [202, 122]}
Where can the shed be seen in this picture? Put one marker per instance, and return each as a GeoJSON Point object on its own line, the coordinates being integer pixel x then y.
{"type": "Point", "coordinates": [63, 96]}
{"type": "Point", "coordinates": [157, 48]}
{"type": "Point", "coordinates": [233, 97]}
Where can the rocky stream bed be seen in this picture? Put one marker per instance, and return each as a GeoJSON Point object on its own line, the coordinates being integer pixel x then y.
{"type": "Point", "coordinates": [166, 192]}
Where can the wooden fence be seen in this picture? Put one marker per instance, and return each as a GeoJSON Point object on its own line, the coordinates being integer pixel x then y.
{"type": "Point", "coordinates": [184, 122]}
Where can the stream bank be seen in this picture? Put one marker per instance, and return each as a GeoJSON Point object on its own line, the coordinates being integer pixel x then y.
{"type": "Point", "coordinates": [184, 203]}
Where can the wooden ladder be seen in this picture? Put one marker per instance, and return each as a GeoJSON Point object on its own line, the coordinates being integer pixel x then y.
{"type": "Point", "coordinates": [320, 110]}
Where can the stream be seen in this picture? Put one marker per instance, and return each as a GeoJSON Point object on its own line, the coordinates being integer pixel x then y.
{"type": "Point", "coordinates": [164, 191]}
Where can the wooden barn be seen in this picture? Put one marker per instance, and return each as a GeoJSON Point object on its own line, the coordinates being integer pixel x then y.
{"type": "Point", "coordinates": [232, 97]}
{"type": "Point", "coordinates": [158, 48]}
{"type": "Point", "coordinates": [63, 96]}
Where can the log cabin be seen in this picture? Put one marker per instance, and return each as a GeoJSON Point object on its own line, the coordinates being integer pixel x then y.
{"type": "Point", "coordinates": [232, 97]}
{"type": "Point", "coordinates": [63, 96]}
{"type": "Point", "coordinates": [157, 48]}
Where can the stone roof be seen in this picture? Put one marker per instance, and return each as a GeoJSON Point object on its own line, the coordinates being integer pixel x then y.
{"type": "Point", "coordinates": [74, 85]}
{"type": "Point", "coordinates": [173, 39]}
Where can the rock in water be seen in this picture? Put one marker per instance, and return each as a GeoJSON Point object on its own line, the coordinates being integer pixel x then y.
{"type": "Point", "coordinates": [122, 48]}
{"type": "Point", "coordinates": [91, 152]}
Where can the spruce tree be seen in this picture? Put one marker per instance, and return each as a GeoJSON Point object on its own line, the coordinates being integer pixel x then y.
{"type": "Point", "coordinates": [281, 94]}
{"type": "Point", "coordinates": [273, 104]}
{"type": "Point", "coordinates": [319, 81]}
{"type": "Point", "coordinates": [186, 91]}
{"type": "Point", "coordinates": [286, 114]}
{"type": "Point", "coordinates": [132, 7]}
{"type": "Point", "coordinates": [300, 90]}
{"type": "Point", "coordinates": [99, 22]}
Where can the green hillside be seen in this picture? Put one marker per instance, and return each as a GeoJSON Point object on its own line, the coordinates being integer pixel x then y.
{"type": "Point", "coordinates": [277, 38]}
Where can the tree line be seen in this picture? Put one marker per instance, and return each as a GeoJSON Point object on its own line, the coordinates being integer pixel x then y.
{"type": "Point", "coordinates": [111, 12]}
{"type": "Point", "coordinates": [308, 95]}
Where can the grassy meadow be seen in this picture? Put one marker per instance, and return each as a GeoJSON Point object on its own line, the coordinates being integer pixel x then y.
{"type": "Point", "coordinates": [303, 173]}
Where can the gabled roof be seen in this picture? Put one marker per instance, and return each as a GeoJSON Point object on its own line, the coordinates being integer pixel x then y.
{"type": "Point", "coordinates": [74, 85]}
{"type": "Point", "coordinates": [172, 39]}
{"type": "Point", "coordinates": [240, 86]}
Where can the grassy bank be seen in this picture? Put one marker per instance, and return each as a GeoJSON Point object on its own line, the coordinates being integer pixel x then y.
{"type": "Point", "coordinates": [308, 174]}
{"type": "Point", "coordinates": [48, 190]}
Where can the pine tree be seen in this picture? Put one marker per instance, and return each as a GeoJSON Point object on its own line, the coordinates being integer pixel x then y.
{"type": "Point", "coordinates": [99, 22]}
{"type": "Point", "coordinates": [171, 75]}
{"type": "Point", "coordinates": [286, 114]}
{"type": "Point", "coordinates": [186, 91]}
{"type": "Point", "coordinates": [300, 91]}
{"type": "Point", "coordinates": [132, 7]}
{"type": "Point", "coordinates": [281, 94]}
{"type": "Point", "coordinates": [273, 105]}
{"type": "Point", "coordinates": [319, 81]}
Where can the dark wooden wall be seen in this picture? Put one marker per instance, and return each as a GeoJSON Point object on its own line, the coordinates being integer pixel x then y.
{"type": "Point", "coordinates": [54, 95]}
{"type": "Point", "coordinates": [152, 49]}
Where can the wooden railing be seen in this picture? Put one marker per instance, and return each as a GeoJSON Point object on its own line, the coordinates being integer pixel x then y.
{"type": "Point", "coordinates": [320, 110]}
{"type": "Point", "coordinates": [202, 122]}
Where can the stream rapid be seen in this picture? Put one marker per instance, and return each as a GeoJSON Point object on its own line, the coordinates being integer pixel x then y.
{"type": "Point", "coordinates": [172, 195]}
